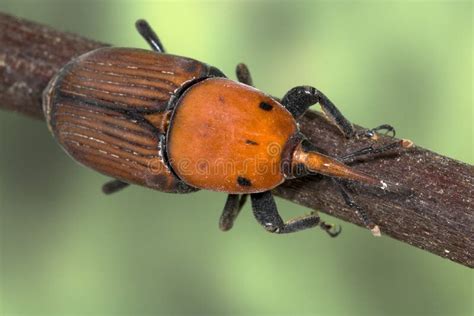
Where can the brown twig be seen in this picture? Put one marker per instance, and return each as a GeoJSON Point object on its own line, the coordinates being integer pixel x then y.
{"type": "Point", "coordinates": [438, 216]}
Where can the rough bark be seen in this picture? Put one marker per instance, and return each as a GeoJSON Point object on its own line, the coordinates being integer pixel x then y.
{"type": "Point", "coordinates": [30, 54]}
{"type": "Point", "coordinates": [437, 216]}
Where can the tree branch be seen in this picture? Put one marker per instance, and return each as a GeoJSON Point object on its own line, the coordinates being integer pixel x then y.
{"type": "Point", "coordinates": [437, 217]}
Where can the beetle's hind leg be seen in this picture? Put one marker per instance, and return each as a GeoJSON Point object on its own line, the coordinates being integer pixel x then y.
{"type": "Point", "coordinates": [266, 213]}
{"type": "Point", "coordinates": [300, 98]}
{"type": "Point", "coordinates": [114, 186]}
{"type": "Point", "coordinates": [232, 208]}
{"type": "Point", "coordinates": [149, 35]}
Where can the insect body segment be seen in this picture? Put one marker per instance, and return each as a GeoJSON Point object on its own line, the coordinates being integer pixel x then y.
{"type": "Point", "coordinates": [175, 124]}
{"type": "Point", "coordinates": [226, 136]}
{"type": "Point", "coordinates": [109, 107]}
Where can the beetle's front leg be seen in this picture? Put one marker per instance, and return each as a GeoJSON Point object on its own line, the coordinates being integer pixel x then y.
{"type": "Point", "coordinates": [372, 151]}
{"type": "Point", "coordinates": [299, 99]}
{"type": "Point", "coordinates": [372, 133]}
{"type": "Point", "coordinates": [266, 213]}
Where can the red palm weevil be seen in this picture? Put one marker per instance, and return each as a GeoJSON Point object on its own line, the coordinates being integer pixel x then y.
{"type": "Point", "coordinates": [175, 124]}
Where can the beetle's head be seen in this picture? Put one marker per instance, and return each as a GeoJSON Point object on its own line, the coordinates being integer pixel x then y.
{"type": "Point", "coordinates": [304, 158]}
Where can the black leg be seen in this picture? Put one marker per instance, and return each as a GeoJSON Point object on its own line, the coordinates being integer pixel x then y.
{"type": "Point", "coordinates": [371, 133]}
{"type": "Point", "coordinates": [243, 74]}
{"type": "Point", "coordinates": [114, 186]}
{"type": "Point", "coordinates": [266, 213]}
{"type": "Point", "coordinates": [149, 35]}
{"type": "Point", "coordinates": [358, 209]}
{"type": "Point", "coordinates": [232, 208]}
{"type": "Point", "coordinates": [299, 99]}
{"type": "Point", "coordinates": [371, 150]}
{"type": "Point", "coordinates": [330, 229]}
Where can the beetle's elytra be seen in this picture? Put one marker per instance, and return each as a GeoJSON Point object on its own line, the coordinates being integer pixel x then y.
{"type": "Point", "coordinates": [175, 124]}
{"type": "Point", "coordinates": [109, 111]}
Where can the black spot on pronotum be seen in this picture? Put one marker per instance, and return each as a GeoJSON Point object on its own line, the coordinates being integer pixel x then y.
{"type": "Point", "coordinates": [250, 142]}
{"type": "Point", "coordinates": [265, 106]}
{"type": "Point", "coordinates": [244, 182]}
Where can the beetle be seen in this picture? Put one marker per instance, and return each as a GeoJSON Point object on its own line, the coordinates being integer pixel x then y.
{"type": "Point", "coordinates": [178, 125]}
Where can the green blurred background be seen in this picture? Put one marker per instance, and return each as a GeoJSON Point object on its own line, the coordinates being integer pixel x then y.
{"type": "Point", "coordinates": [66, 249]}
